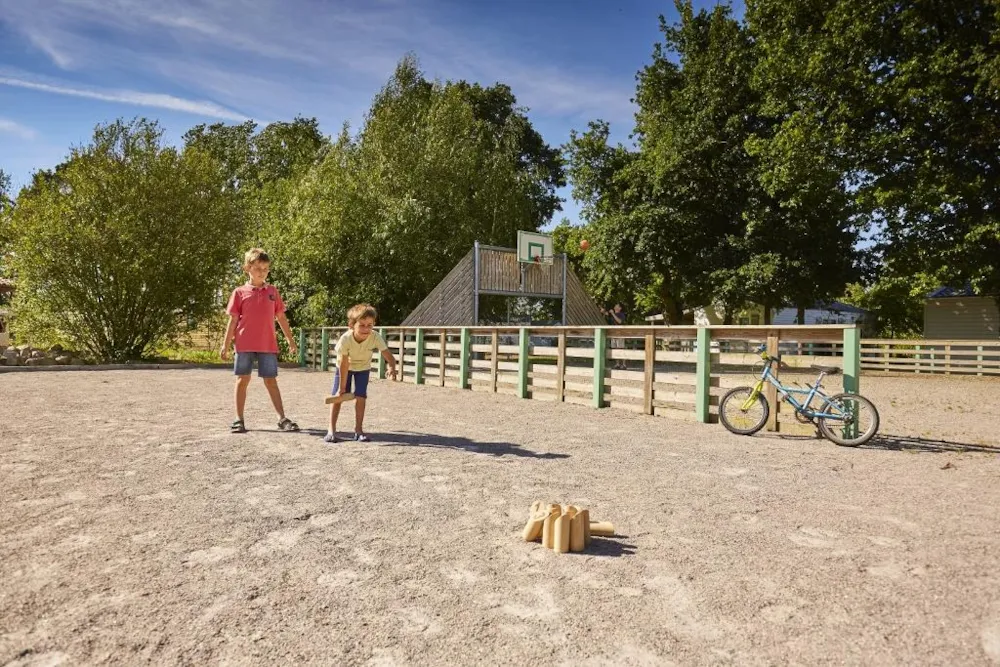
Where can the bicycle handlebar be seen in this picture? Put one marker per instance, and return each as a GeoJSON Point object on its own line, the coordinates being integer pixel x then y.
{"type": "Point", "coordinates": [762, 351]}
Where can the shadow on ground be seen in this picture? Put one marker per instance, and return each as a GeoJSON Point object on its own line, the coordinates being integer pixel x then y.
{"type": "Point", "coordinates": [452, 442]}
{"type": "Point", "coordinates": [900, 443]}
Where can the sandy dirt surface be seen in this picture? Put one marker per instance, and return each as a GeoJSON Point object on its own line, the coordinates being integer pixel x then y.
{"type": "Point", "coordinates": [135, 529]}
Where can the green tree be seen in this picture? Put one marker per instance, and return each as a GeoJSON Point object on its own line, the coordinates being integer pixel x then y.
{"type": "Point", "coordinates": [262, 169]}
{"type": "Point", "coordinates": [903, 98]}
{"type": "Point", "coordinates": [390, 211]}
{"type": "Point", "coordinates": [122, 243]}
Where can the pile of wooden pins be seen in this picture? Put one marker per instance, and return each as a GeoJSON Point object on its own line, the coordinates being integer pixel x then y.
{"type": "Point", "coordinates": [563, 528]}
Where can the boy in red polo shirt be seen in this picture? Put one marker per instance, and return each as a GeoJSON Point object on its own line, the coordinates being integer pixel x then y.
{"type": "Point", "coordinates": [253, 309]}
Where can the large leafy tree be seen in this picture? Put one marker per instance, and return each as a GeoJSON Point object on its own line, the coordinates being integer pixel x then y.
{"type": "Point", "coordinates": [122, 243]}
{"type": "Point", "coordinates": [390, 210]}
{"type": "Point", "coordinates": [262, 168]}
{"type": "Point", "coordinates": [903, 97]}
{"type": "Point", "coordinates": [691, 218]}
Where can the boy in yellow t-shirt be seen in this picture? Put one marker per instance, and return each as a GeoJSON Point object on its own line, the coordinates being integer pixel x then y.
{"type": "Point", "coordinates": [354, 360]}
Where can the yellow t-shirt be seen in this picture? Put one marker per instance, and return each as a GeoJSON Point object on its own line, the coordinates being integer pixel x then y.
{"type": "Point", "coordinates": [360, 352]}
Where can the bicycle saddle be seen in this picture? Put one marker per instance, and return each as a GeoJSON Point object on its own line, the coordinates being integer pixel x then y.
{"type": "Point", "coordinates": [829, 370]}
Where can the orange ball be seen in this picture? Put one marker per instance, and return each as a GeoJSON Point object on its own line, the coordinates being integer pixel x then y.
{"type": "Point", "coordinates": [584, 245]}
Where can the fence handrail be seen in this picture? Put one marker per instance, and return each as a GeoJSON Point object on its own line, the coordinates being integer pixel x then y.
{"type": "Point", "coordinates": [927, 341]}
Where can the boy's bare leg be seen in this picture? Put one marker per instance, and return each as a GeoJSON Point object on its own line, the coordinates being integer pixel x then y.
{"type": "Point", "coordinates": [334, 415]}
{"type": "Point", "coordinates": [242, 382]}
{"type": "Point", "coordinates": [275, 394]}
{"type": "Point", "coordinates": [359, 414]}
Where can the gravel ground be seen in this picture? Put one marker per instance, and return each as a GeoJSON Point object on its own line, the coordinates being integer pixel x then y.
{"type": "Point", "coordinates": [136, 529]}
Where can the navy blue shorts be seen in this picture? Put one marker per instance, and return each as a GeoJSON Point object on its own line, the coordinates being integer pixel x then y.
{"type": "Point", "coordinates": [267, 364]}
{"type": "Point", "coordinates": [357, 382]}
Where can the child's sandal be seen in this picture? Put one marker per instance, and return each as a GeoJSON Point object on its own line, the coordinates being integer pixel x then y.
{"type": "Point", "coordinates": [237, 426]}
{"type": "Point", "coordinates": [287, 424]}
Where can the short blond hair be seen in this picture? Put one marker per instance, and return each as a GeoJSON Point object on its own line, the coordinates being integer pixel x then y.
{"type": "Point", "coordinates": [255, 255]}
{"type": "Point", "coordinates": [360, 312]}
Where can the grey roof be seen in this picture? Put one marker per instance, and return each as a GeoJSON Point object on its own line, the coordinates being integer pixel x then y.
{"type": "Point", "coordinates": [945, 292]}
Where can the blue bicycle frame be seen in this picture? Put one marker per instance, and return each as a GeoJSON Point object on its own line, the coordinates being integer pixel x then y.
{"type": "Point", "coordinates": [787, 393]}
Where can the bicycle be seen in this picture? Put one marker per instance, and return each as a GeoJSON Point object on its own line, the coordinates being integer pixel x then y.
{"type": "Point", "coordinates": [846, 419]}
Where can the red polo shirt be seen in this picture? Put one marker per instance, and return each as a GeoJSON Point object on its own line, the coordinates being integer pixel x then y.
{"type": "Point", "coordinates": [256, 308]}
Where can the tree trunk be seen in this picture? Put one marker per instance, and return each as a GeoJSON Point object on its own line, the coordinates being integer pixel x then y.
{"type": "Point", "coordinates": [767, 314]}
{"type": "Point", "coordinates": [800, 314]}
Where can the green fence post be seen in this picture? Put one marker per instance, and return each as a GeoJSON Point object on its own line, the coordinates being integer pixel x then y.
{"type": "Point", "coordinates": [703, 375]}
{"type": "Point", "coordinates": [324, 352]}
{"type": "Point", "coordinates": [523, 350]}
{"type": "Point", "coordinates": [852, 360]}
{"type": "Point", "coordinates": [381, 359]}
{"type": "Point", "coordinates": [302, 348]}
{"type": "Point", "coordinates": [466, 355]}
{"type": "Point", "coordinates": [600, 365]}
{"type": "Point", "coordinates": [419, 374]}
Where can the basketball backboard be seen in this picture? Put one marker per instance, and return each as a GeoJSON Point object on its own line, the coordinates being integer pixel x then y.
{"type": "Point", "coordinates": [534, 248]}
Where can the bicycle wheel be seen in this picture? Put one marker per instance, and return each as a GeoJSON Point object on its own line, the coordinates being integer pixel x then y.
{"type": "Point", "coordinates": [859, 425]}
{"type": "Point", "coordinates": [740, 421]}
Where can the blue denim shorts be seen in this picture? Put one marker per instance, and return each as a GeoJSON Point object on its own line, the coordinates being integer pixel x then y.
{"type": "Point", "coordinates": [357, 382]}
{"type": "Point", "coordinates": [267, 364]}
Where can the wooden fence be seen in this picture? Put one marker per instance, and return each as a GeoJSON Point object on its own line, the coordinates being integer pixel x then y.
{"type": "Point", "coordinates": [948, 357]}
{"type": "Point", "coordinates": [679, 372]}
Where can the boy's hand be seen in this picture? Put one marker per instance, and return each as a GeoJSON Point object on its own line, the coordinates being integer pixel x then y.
{"type": "Point", "coordinates": [224, 353]}
{"type": "Point", "coordinates": [293, 349]}
{"type": "Point", "coordinates": [392, 373]}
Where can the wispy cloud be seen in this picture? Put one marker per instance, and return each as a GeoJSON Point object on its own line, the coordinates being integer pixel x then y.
{"type": "Point", "coordinates": [304, 57]}
{"type": "Point", "coordinates": [18, 130]}
{"type": "Point", "coordinates": [137, 98]}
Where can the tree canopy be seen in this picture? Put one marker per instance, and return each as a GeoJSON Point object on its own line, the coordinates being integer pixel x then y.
{"type": "Point", "coordinates": [126, 240]}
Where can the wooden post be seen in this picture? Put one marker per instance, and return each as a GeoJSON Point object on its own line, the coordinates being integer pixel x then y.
{"type": "Point", "coordinates": [852, 360]}
{"type": "Point", "coordinates": [313, 358]}
{"type": "Point", "coordinates": [919, 358]}
{"type": "Point", "coordinates": [979, 360]}
{"type": "Point", "coordinates": [852, 368]}
{"type": "Point", "coordinates": [770, 393]}
{"type": "Point", "coordinates": [402, 354]}
{"type": "Point", "coordinates": [324, 349]}
{"type": "Point", "coordinates": [947, 358]}
{"type": "Point", "coordinates": [523, 350]}
{"type": "Point", "coordinates": [494, 361]}
{"type": "Point", "coordinates": [465, 364]}
{"type": "Point", "coordinates": [649, 372]}
{"type": "Point", "coordinates": [561, 368]}
{"type": "Point", "coordinates": [703, 375]}
{"type": "Point", "coordinates": [419, 379]}
{"type": "Point", "coordinates": [302, 348]}
{"type": "Point", "coordinates": [444, 357]}
{"type": "Point", "coordinates": [381, 359]}
{"type": "Point", "coordinates": [600, 365]}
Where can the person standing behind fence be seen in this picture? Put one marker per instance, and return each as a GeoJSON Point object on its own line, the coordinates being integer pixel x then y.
{"type": "Point", "coordinates": [354, 361]}
{"type": "Point", "coordinates": [616, 317]}
{"type": "Point", "coordinates": [253, 309]}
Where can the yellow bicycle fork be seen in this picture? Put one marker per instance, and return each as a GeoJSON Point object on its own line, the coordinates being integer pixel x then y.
{"type": "Point", "coordinates": [747, 404]}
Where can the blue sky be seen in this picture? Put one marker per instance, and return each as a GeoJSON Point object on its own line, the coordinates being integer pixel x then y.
{"type": "Point", "coordinates": [68, 65]}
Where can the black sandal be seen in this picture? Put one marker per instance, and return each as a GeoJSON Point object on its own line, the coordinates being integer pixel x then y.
{"type": "Point", "coordinates": [237, 426]}
{"type": "Point", "coordinates": [287, 424]}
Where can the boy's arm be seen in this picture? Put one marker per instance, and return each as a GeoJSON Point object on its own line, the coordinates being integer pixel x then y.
{"type": "Point", "coordinates": [391, 360]}
{"type": "Point", "coordinates": [344, 365]}
{"type": "Point", "coordinates": [230, 332]}
{"type": "Point", "coordinates": [287, 330]}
